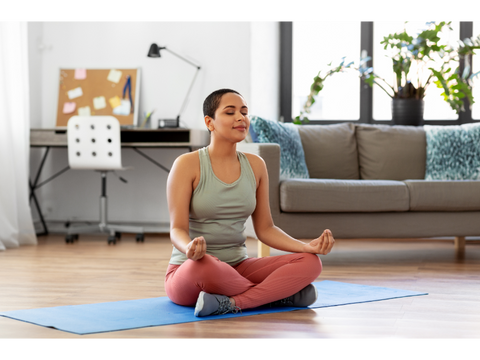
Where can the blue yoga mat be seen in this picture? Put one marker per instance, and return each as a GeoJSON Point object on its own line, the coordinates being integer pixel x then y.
{"type": "Point", "coordinates": [134, 314]}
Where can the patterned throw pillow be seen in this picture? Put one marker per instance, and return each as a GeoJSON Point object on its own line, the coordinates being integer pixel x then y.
{"type": "Point", "coordinates": [292, 157]}
{"type": "Point", "coordinates": [453, 152]}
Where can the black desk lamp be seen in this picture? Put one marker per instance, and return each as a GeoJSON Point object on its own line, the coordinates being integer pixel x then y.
{"type": "Point", "coordinates": [155, 53]}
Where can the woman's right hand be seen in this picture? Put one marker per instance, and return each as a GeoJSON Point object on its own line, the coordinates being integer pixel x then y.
{"type": "Point", "coordinates": [196, 248]}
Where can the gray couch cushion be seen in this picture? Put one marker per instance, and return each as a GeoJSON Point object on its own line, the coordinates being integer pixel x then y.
{"type": "Point", "coordinates": [330, 151]}
{"type": "Point", "coordinates": [391, 152]}
{"type": "Point", "coordinates": [327, 195]}
{"type": "Point", "coordinates": [444, 195]}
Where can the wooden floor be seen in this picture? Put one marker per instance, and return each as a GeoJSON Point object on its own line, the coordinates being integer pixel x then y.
{"type": "Point", "coordinates": [90, 271]}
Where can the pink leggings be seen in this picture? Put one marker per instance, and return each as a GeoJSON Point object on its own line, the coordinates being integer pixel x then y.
{"type": "Point", "coordinates": [251, 283]}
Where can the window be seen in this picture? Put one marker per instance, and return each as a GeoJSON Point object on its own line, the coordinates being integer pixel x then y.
{"type": "Point", "coordinates": [315, 45]}
{"type": "Point", "coordinates": [307, 47]}
{"type": "Point", "coordinates": [475, 69]}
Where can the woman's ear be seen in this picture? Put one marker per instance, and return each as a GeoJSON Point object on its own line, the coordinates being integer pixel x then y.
{"type": "Point", "coordinates": [209, 123]}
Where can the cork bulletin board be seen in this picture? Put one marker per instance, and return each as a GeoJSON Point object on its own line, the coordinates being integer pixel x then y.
{"type": "Point", "coordinates": [93, 92]}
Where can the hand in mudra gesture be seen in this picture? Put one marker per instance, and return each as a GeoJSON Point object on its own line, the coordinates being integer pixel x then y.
{"type": "Point", "coordinates": [321, 245]}
{"type": "Point", "coordinates": [196, 248]}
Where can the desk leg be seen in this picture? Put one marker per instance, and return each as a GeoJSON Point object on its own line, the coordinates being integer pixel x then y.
{"type": "Point", "coordinates": [39, 171]}
{"type": "Point", "coordinates": [32, 196]}
{"type": "Point", "coordinates": [32, 192]}
{"type": "Point", "coordinates": [151, 160]}
{"type": "Point", "coordinates": [36, 185]}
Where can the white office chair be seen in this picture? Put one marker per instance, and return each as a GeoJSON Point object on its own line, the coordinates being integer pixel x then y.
{"type": "Point", "coordinates": [94, 144]}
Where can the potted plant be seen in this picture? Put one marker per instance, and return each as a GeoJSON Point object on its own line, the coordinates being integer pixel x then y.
{"type": "Point", "coordinates": [418, 61]}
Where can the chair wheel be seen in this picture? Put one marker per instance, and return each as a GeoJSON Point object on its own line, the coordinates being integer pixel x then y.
{"type": "Point", "coordinates": [140, 238]}
{"type": "Point", "coordinates": [70, 238]}
{"type": "Point", "coordinates": [112, 240]}
{"type": "Point", "coordinates": [118, 235]}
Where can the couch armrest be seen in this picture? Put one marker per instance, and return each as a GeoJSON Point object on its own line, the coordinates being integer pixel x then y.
{"type": "Point", "coordinates": [270, 153]}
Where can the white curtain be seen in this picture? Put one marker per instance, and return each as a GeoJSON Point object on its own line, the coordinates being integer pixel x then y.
{"type": "Point", "coordinates": [16, 226]}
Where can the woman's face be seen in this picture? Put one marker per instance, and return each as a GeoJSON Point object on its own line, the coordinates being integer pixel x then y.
{"type": "Point", "coordinates": [231, 118]}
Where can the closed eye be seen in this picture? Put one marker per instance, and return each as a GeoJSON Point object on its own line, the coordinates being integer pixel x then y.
{"type": "Point", "coordinates": [230, 110]}
{"type": "Point", "coordinates": [231, 113]}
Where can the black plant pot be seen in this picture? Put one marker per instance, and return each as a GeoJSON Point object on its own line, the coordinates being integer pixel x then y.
{"type": "Point", "coordinates": [407, 112]}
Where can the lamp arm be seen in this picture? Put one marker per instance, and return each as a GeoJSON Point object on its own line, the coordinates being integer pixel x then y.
{"type": "Point", "coordinates": [188, 92]}
{"type": "Point", "coordinates": [191, 84]}
{"type": "Point", "coordinates": [181, 57]}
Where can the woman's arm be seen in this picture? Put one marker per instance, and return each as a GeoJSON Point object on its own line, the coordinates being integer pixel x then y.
{"type": "Point", "coordinates": [180, 185]}
{"type": "Point", "coordinates": [266, 230]}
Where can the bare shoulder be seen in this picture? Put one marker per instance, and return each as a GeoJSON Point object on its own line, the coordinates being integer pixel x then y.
{"type": "Point", "coordinates": [189, 157]}
{"type": "Point", "coordinates": [254, 159]}
{"type": "Point", "coordinates": [187, 163]}
{"type": "Point", "coordinates": [257, 164]}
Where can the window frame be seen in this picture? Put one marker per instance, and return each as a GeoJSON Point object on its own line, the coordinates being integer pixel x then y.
{"type": "Point", "coordinates": [366, 91]}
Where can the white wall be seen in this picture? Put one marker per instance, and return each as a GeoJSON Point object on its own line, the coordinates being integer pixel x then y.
{"type": "Point", "coordinates": [238, 55]}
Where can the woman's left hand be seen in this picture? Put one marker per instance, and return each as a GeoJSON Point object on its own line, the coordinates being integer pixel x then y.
{"type": "Point", "coordinates": [321, 245]}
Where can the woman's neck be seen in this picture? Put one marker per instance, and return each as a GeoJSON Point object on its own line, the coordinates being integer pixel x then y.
{"type": "Point", "coordinates": [222, 150]}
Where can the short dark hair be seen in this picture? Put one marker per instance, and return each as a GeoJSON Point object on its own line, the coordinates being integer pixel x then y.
{"type": "Point", "coordinates": [211, 103]}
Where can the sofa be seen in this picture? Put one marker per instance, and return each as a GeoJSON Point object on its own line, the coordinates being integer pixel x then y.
{"type": "Point", "coordinates": [367, 181]}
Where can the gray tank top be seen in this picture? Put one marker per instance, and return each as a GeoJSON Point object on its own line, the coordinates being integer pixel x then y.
{"type": "Point", "coordinates": [218, 211]}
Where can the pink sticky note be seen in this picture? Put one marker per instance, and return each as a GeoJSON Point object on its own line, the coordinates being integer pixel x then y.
{"type": "Point", "coordinates": [80, 74]}
{"type": "Point", "coordinates": [69, 107]}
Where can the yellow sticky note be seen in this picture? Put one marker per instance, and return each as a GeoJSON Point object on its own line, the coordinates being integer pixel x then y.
{"type": "Point", "coordinates": [115, 101]}
{"type": "Point", "coordinates": [114, 76]}
{"type": "Point", "coordinates": [99, 102]}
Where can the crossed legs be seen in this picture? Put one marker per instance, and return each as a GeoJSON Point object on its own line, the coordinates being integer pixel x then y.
{"type": "Point", "coordinates": [253, 282]}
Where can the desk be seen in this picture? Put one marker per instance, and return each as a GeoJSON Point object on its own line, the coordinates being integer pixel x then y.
{"type": "Point", "coordinates": [192, 139]}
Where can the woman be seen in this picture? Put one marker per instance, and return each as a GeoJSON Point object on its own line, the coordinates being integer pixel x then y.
{"type": "Point", "coordinates": [211, 193]}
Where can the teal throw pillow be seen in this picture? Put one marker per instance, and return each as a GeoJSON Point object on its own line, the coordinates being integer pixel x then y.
{"type": "Point", "coordinates": [453, 152]}
{"type": "Point", "coordinates": [292, 157]}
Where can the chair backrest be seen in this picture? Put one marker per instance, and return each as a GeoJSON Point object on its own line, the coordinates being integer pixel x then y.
{"type": "Point", "coordinates": [94, 143]}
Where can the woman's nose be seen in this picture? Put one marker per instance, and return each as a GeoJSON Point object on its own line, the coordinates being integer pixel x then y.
{"type": "Point", "coordinates": [241, 117]}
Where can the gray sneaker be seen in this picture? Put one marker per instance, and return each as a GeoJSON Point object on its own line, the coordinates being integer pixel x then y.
{"type": "Point", "coordinates": [213, 304]}
{"type": "Point", "coordinates": [305, 297]}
